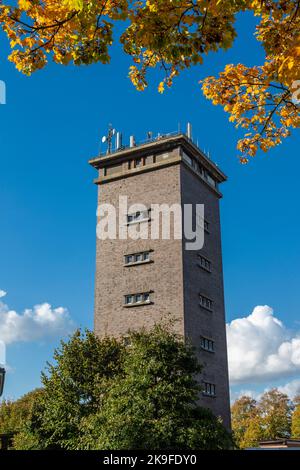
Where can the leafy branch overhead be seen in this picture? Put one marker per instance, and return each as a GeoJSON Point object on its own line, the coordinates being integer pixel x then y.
{"type": "Point", "coordinates": [174, 35]}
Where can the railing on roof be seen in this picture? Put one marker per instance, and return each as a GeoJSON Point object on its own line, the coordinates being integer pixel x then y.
{"type": "Point", "coordinates": [144, 142]}
{"type": "Point", "coordinates": [155, 139]}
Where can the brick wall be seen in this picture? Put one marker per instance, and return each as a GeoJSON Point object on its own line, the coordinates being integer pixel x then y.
{"type": "Point", "coordinates": [163, 276]}
{"type": "Point", "coordinates": [173, 276]}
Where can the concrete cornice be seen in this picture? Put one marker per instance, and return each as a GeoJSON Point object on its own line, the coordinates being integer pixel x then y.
{"type": "Point", "coordinates": [160, 145]}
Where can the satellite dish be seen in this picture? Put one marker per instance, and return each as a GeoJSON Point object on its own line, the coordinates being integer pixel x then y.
{"type": "Point", "coordinates": [103, 139]}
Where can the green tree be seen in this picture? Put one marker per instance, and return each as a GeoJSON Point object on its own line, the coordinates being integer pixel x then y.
{"type": "Point", "coordinates": [243, 413]}
{"type": "Point", "coordinates": [269, 418]}
{"type": "Point", "coordinates": [74, 387]}
{"type": "Point", "coordinates": [16, 415]}
{"type": "Point", "coordinates": [296, 419]}
{"type": "Point", "coordinates": [103, 393]}
{"type": "Point", "coordinates": [253, 433]}
{"type": "Point", "coordinates": [153, 405]}
{"type": "Point", "coordinates": [275, 410]}
{"type": "Point", "coordinates": [13, 414]}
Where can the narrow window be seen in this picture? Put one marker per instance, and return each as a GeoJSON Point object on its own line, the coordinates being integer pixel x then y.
{"type": "Point", "coordinates": [207, 344]}
{"type": "Point", "coordinates": [209, 389]}
{"type": "Point", "coordinates": [128, 259]}
{"type": "Point", "coordinates": [139, 216]}
{"type": "Point", "coordinates": [187, 159]}
{"type": "Point", "coordinates": [128, 299]}
{"type": "Point", "coordinates": [137, 258]}
{"type": "Point", "coordinates": [132, 300]}
{"type": "Point", "coordinates": [204, 263]}
{"type": "Point", "coordinates": [205, 302]}
{"type": "Point", "coordinates": [138, 162]}
{"type": "Point", "coordinates": [211, 180]}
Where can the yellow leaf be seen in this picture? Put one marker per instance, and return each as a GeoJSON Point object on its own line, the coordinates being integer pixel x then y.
{"type": "Point", "coordinates": [74, 4]}
{"type": "Point", "coordinates": [24, 4]}
{"type": "Point", "coordinates": [161, 87]}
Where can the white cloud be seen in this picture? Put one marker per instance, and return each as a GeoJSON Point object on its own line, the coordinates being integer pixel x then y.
{"type": "Point", "coordinates": [236, 394]}
{"type": "Point", "coordinates": [38, 323]}
{"type": "Point", "coordinates": [2, 293]}
{"type": "Point", "coordinates": [260, 348]}
{"type": "Point", "coordinates": [292, 389]}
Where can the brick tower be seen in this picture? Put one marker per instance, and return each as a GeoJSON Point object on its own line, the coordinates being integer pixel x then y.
{"type": "Point", "coordinates": [139, 281]}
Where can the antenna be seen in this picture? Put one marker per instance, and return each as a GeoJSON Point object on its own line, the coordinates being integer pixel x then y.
{"type": "Point", "coordinates": [108, 139]}
{"type": "Point", "coordinates": [119, 141]}
{"type": "Point", "coordinates": [189, 130]}
{"type": "Point", "coordinates": [132, 141]}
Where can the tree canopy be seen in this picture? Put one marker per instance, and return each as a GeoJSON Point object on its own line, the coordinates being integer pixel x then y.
{"type": "Point", "coordinates": [262, 99]}
{"type": "Point", "coordinates": [296, 419]}
{"type": "Point", "coordinates": [269, 418]}
{"type": "Point", "coordinates": [244, 418]}
{"type": "Point", "coordinates": [16, 416]}
{"type": "Point", "coordinates": [153, 404]}
{"type": "Point", "coordinates": [13, 414]}
{"type": "Point", "coordinates": [115, 394]}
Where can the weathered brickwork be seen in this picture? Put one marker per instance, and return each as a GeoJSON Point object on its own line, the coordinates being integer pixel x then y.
{"type": "Point", "coordinates": [198, 321]}
{"type": "Point", "coordinates": [173, 275]}
{"type": "Point", "coordinates": [163, 276]}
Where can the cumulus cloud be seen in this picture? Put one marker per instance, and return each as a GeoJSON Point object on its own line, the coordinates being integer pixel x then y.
{"type": "Point", "coordinates": [292, 389]}
{"type": "Point", "coordinates": [236, 394]}
{"type": "Point", "coordinates": [34, 324]}
{"type": "Point", "coordinates": [260, 348]}
{"type": "Point", "coordinates": [2, 293]}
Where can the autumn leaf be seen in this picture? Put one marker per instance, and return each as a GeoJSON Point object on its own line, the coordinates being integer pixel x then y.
{"type": "Point", "coordinates": [173, 36]}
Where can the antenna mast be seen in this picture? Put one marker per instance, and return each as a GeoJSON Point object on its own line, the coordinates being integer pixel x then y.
{"type": "Point", "coordinates": [108, 138]}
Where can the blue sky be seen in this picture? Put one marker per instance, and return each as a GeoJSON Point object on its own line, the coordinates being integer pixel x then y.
{"type": "Point", "coordinates": [52, 124]}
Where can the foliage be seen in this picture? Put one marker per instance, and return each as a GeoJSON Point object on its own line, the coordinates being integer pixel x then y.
{"type": "Point", "coordinates": [153, 405]}
{"type": "Point", "coordinates": [269, 418]}
{"type": "Point", "coordinates": [243, 413]}
{"type": "Point", "coordinates": [15, 415]}
{"type": "Point", "coordinates": [174, 35]}
{"type": "Point", "coordinates": [74, 386]}
{"type": "Point", "coordinates": [275, 410]}
{"type": "Point", "coordinates": [253, 434]}
{"type": "Point", "coordinates": [102, 394]}
{"type": "Point", "coordinates": [296, 419]}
